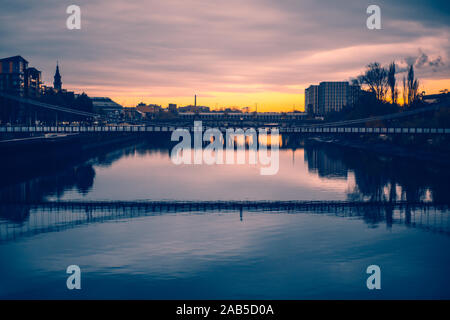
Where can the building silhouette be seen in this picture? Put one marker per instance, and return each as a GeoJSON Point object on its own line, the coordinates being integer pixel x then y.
{"type": "Point", "coordinates": [105, 105]}
{"type": "Point", "coordinates": [18, 79]}
{"type": "Point", "coordinates": [33, 82]}
{"type": "Point", "coordinates": [172, 107]}
{"type": "Point", "coordinates": [330, 96]}
{"type": "Point", "coordinates": [57, 83]}
{"type": "Point", "coordinates": [312, 99]}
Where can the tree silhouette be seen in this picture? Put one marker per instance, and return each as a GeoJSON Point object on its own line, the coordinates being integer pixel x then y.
{"type": "Point", "coordinates": [410, 87]}
{"type": "Point", "coordinates": [392, 83]}
{"type": "Point", "coordinates": [375, 78]}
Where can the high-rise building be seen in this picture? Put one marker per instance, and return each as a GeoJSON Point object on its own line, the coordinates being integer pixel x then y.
{"type": "Point", "coordinates": [330, 96]}
{"type": "Point", "coordinates": [333, 96]}
{"type": "Point", "coordinates": [312, 99]}
{"type": "Point", "coordinates": [12, 75]}
{"type": "Point", "coordinates": [17, 79]}
{"type": "Point", "coordinates": [33, 82]}
{"type": "Point", "coordinates": [57, 83]}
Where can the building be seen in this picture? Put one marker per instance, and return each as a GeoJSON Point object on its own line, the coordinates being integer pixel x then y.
{"type": "Point", "coordinates": [12, 75]}
{"type": "Point", "coordinates": [325, 163]}
{"type": "Point", "coordinates": [240, 116]}
{"type": "Point", "coordinates": [33, 82]}
{"type": "Point", "coordinates": [312, 99]}
{"type": "Point", "coordinates": [148, 111]}
{"type": "Point", "coordinates": [333, 96]}
{"type": "Point", "coordinates": [194, 108]}
{"type": "Point", "coordinates": [435, 98]}
{"type": "Point", "coordinates": [131, 114]}
{"type": "Point", "coordinates": [104, 105]}
{"type": "Point", "coordinates": [18, 79]}
{"type": "Point", "coordinates": [330, 96]}
{"type": "Point", "coordinates": [57, 83]}
{"type": "Point", "coordinates": [172, 107]}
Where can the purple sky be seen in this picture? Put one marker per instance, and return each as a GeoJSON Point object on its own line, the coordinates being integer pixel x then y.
{"type": "Point", "coordinates": [230, 53]}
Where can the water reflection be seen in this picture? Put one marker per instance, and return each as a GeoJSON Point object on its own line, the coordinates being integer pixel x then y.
{"type": "Point", "coordinates": [308, 171]}
{"type": "Point", "coordinates": [380, 178]}
{"type": "Point", "coordinates": [359, 176]}
{"type": "Point", "coordinates": [186, 244]}
{"type": "Point", "coordinates": [29, 220]}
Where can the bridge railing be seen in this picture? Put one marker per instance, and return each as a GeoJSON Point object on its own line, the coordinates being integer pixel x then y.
{"type": "Point", "coordinates": [140, 129]}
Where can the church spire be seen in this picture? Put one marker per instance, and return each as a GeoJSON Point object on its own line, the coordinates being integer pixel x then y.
{"type": "Point", "coordinates": [57, 84]}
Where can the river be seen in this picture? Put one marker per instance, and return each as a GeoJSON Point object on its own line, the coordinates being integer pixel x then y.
{"type": "Point", "coordinates": [197, 253]}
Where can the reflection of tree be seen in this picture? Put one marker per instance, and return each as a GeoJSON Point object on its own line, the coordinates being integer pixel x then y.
{"type": "Point", "coordinates": [28, 179]}
{"type": "Point", "coordinates": [377, 177]}
{"type": "Point", "coordinates": [55, 174]}
{"type": "Point", "coordinates": [39, 188]}
{"type": "Point", "coordinates": [84, 177]}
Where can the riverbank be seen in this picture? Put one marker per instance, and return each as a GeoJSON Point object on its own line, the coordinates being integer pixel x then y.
{"type": "Point", "coordinates": [26, 158]}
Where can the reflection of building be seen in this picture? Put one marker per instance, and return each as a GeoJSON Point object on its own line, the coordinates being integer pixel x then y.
{"type": "Point", "coordinates": [320, 161]}
{"type": "Point", "coordinates": [106, 106]}
{"type": "Point", "coordinates": [16, 78]}
{"type": "Point", "coordinates": [330, 97]}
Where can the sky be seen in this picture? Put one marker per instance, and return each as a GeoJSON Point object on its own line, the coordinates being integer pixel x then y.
{"type": "Point", "coordinates": [234, 53]}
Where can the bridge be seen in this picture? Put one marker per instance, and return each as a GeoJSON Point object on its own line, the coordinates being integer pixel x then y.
{"type": "Point", "coordinates": [111, 129]}
{"type": "Point", "coordinates": [29, 219]}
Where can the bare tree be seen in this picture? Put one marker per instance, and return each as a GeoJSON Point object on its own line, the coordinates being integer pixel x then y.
{"type": "Point", "coordinates": [405, 94]}
{"type": "Point", "coordinates": [391, 81]}
{"type": "Point", "coordinates": [412, 86]}
{"type": "Point", "coordinates": [375, 78]}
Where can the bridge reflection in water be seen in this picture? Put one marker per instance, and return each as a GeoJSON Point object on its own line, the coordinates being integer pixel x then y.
{"type": "Point", "coordinates": [26, 220]}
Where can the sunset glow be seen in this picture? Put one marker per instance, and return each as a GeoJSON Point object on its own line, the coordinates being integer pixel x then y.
{"type": "Point", "coordinates": [230, 54]}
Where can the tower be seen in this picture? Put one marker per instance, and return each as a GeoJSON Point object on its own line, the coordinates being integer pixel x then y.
{"type": "Point", "coordinates": [195, 101]}
{"type": "Point", "coordinates": [57, 84]}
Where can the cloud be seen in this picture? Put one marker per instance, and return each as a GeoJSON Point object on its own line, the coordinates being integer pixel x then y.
{"type": "Point", "coordinates": [178, 47]}
{"type": "Point", "coordinates": [423, 61]}
{"type": "Point", "coordinates": [425, 65]}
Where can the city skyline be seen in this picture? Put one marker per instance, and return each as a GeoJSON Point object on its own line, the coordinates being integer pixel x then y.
{"type": "Point", "coordinates": [161, 53]}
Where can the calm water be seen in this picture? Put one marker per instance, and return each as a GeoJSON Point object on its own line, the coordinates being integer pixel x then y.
{"type": "Point", "coordinates": [210, 254]}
